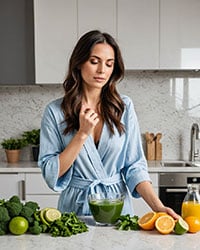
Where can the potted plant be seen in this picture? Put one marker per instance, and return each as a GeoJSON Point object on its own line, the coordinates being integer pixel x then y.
{"type": "Point", "coordinates": [13, 148]}
{"type": "Point", "coordinates": [32, 138]}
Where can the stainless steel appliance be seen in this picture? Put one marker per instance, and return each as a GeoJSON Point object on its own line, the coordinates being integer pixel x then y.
{"type": "Point", "coordinates": [173, 188]}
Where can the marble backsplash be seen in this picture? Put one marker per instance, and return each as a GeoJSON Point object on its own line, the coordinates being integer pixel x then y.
{"type": "Point", "coordinates": [165, 101]}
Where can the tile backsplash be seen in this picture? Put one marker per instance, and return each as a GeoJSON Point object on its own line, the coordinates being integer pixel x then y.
{"type": "Point", "coordinates": [165, 101]}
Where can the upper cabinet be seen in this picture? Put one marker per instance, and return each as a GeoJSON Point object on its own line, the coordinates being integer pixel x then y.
{"type": "Point", "coordinates": [16, 42]}
{"type": "Point", "coordinates": [97, 15]}
{"type": "Point", "coordinates": [58, 25]}
{"type": "Point", "coordinates": [138, 33]}
{"type": "Point", "coordinates": [55, 36]}
{"type": "Point", "coordinates": [38, 36]}
{"type": "Point", "coordinates": [179, 34]}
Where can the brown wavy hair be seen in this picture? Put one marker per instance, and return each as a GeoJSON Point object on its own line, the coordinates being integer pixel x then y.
{"type": "Point", "coordinates": [111, 104]}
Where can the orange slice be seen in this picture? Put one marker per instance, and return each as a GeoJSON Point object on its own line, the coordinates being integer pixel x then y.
{"type": "Point", "coordinates": [147, 221]}
{"type": "Point", "coordinates": [165, 224]}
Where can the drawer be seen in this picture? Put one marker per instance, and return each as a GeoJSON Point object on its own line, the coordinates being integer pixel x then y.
{"type": "Point", "coordinates": [35, 184]}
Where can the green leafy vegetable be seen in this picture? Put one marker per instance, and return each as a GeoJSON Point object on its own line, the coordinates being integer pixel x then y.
{"type": "Point", "coordinates": [126, 222]}
{"type": "Point", "coordinates": [67, 225]}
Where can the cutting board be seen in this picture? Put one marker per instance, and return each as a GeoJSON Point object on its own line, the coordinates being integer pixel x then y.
{"type": "Point", "coordinates": [150, 146]}
{"type": "Point", "coordinates": [153, 146]}
{"type": "Point", "coordinates": [158, 147]}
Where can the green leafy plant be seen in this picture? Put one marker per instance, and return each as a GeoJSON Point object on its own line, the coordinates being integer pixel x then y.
{"type": "Point", "coordinates": [32, 137]}
{"type": "Point", "coordinates": [13, 143]}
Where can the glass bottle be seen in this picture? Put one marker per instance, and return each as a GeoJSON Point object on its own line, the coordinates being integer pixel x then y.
{"type": "Point", "coordinates": [191, 202]}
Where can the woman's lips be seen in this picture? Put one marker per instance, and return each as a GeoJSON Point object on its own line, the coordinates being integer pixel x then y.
{"type": "Point", "coordinates": [99, 79]}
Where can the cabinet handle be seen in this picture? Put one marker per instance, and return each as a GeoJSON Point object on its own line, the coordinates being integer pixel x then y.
{"type": "Point", "coordinates": [174, 190]}
{"type": "Point", "coordinates": [22, 190]}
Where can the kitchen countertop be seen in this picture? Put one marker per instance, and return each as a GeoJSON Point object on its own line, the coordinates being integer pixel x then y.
{"type": "Point", "coordinates": [98, 238]}
{"type": "Point", "coordinates": [31, 167]}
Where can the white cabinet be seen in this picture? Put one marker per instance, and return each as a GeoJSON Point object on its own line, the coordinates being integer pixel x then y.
{"type": "Point", "coordinates": [55, 36]}
{"type": "Point", "coordinates": [12, 184]}
{"type": "Point", "coordinates": [58, 25]}
{"type": "Point", "coordinates": [99, 15]}
{"type": "Point", "coordinates": [29, 187]}
{"type": "Point", "coordinates": [37, 190]}
{"type": "Point", "coordinates": [138, 33]}
{"type": "Point", "coordinates": [139, 205]}
{"type": "Point", "coordinates": [179, 34]}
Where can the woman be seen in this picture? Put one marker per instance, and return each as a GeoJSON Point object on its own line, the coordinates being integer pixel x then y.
{"type": "Point", "coordinates": [90, 138]}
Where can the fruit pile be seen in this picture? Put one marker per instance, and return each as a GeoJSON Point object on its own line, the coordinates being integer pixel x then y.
{"type": "Point", "coordinates": [18, 218]}
{"type": "Point", "coordinates": [160, 221]}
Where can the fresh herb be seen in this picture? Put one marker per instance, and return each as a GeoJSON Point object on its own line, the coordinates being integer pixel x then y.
{"type": "Point", "coordinates": [69, 224]}
{"type": "Point", "coordinates": [126, 222]}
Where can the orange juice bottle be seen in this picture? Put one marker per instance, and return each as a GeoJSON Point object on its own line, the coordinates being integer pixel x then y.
{"type": "Point", "coordinates": [191, 202]}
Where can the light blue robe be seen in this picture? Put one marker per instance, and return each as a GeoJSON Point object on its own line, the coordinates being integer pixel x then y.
{"type": "Point", "coordinates": [118, 164]}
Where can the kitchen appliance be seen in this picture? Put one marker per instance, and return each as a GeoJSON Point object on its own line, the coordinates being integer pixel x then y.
{"type": "Point", "coordinates": [173, 188]}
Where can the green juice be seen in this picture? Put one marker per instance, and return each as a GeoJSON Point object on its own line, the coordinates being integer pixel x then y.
{"type": "Point", "coordinates": [106, 212]}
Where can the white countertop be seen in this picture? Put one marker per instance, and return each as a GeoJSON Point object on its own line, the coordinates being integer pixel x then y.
{"type": "Point", "coordinates": [31, 167]}
{"type": "Point", "coordinates": [20, 167]}
{"type": "Point", "coordinates": [106, 238]}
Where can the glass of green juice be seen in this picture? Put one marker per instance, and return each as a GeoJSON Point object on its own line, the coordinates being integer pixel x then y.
{"type": "Point", "coordinates": [106, 207]}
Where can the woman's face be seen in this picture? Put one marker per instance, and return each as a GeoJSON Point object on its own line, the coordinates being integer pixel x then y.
{"type": "Point", "coordinates": [96, 71]}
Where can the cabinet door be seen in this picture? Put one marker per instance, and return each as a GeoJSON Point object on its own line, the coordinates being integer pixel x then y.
{"type": "Point", "coordinates": [55, 36]}
{"type": "Point", "coordinates": [179, 34]}
{"type": "Point", "coordinates": [93, 14]}
{"type": "Point", "coordinates": [11, 184]}
{"type": "Point", "coordinates": [138, 33]}
{"type": "Point", "coordinates": [16, 42]}
{"type": "Point", "coordinates": [37, 190]}
{"type": "Point", "coordinates": [139, 205]}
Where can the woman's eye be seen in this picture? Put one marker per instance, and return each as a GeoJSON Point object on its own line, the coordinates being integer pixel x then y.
{"type": "Point", "coordinates": [94, 61]}
{"type": "Point", "coordinates": [109, 65]}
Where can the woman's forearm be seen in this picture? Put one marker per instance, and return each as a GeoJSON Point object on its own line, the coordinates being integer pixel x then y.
{"type": "Point", "coordinates": [70, 153]}
{"type": "Point", "coordinates": [147, 192]}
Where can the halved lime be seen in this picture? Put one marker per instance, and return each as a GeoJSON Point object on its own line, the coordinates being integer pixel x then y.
{"type": "Point", "coordinates": [42, 216]}
{"type": "Point", "coordinates": [52, 214]}
{"type": "Point", "coordinates": [181, 226]}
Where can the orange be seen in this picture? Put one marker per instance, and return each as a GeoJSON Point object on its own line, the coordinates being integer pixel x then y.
{"type": "Point", "coordinates": [165, 224]}
{"type": "Point", "coordinates": [147, 221]}
{"type": "Point", "coordinates": [161, 214]}
{"type": "Point", "coordinates": [18, 225]}
{"type": "Point", "coordinates": [193, 223]}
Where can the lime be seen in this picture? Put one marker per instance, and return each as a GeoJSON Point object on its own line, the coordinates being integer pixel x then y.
{"type": "Point", "coordinates": [181, 226]}
{"type": "Point", "coordinates": [52, 214]}
{"type": "Point", "coordinates": [42, 216]}
{"type": "Point", "coordinates": [18, 225]}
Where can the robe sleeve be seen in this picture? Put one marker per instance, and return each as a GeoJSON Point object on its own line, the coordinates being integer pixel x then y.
{"type": "Point", "coordinates": [135, 170]}
{"type": "Point", "coordinates": [51, 146]}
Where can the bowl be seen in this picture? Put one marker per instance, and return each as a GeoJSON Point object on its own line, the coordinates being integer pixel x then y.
{"type": "Point", "coordinates": [106, 207]}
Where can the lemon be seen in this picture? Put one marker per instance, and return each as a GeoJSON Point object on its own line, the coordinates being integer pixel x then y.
{"type": "Point", "coordinates": [18, 225]}
{"type": "Point", "coordinates": [181, 226]}
{"type": "Point", "coordinates": [52, 214]}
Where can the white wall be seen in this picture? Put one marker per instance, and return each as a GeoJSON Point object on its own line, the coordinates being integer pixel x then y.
{"type": "Point", "coordinates": [166, 102]}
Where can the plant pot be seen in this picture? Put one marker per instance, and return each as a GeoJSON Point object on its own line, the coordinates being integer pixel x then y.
{"type": "Point", "coordinates": [35, 151]}
{"type": "Point", "coordinates": [13, 155]}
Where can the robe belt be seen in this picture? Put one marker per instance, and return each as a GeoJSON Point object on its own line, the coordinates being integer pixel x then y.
{"type": "Point", "coordinates": [89, 185]}
{"type": "Point", "coordinates": [78, 182]}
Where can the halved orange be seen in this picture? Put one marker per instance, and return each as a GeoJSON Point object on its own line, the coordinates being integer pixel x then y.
{"type": "Point", "coordinates": [147, 221]}
{"type": "Point", "coordinates": [193, 223]}
{"type": "Point", "coordinates": [161, 214]}
{"type": "Point", "coordinates": [165, 224]}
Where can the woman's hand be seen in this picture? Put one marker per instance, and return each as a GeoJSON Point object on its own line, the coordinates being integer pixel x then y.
{"type": "Point", "coordinates": [170, 211]}
{"type": "Point", "coordinates": [88, 119]}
